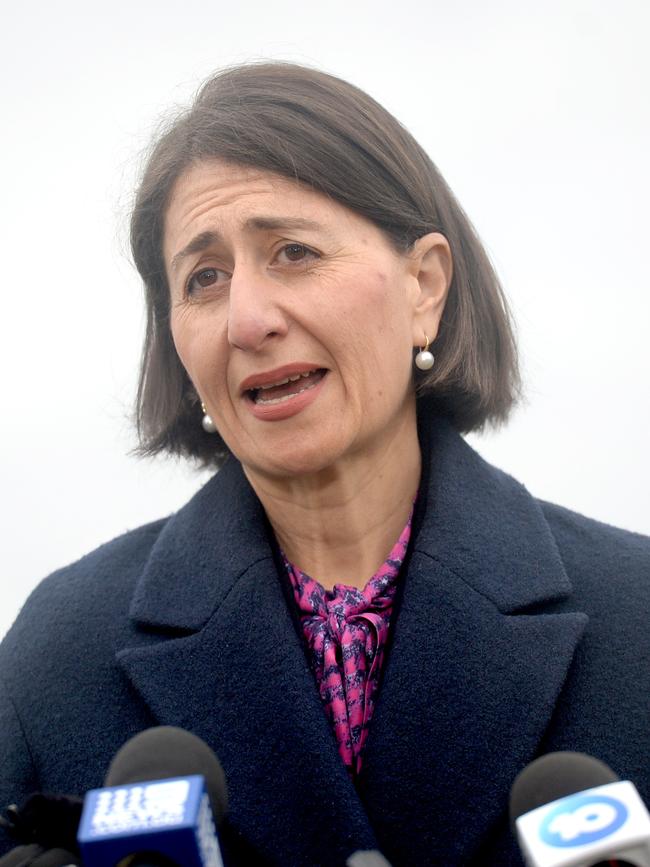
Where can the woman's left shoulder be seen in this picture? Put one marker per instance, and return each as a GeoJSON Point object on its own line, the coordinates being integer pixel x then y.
{"type": "Point", "coordinates": [599, 554]}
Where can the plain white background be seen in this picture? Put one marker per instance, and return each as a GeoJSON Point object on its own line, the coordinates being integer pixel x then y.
{"type": "Point", "coordinates": [537, 115]}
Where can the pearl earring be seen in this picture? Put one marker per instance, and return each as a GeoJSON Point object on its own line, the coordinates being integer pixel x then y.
{"type": "Point", "coordinates": [424, 359]}
{"type": "Point", "coordinates": [208, 425]}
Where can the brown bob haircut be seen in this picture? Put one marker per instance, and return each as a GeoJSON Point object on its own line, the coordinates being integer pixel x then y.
{"type": "Point", "coordinates": [317, 129]}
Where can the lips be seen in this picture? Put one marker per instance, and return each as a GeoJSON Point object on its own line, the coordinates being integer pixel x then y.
{"type": "Point", "coordinates": [277, 385]}
{"type": "Point", "coordinates": [272, 394]}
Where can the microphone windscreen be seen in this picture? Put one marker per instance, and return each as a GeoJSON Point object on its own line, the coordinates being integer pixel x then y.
{"type": "Point", "coordinates": [164, 752]}
{"type": "Point", "coordinates": [56, 858]}
{"type": "Point", "coordinates": [33, 855]}
{"type": "Point", "coordinates": [555, 776]}
{"type": "Point", "coordinates": [49, 820]}
{"type": "Point", "coordinates": [367, 858]}
{"type": "Point", "coordinates": [21, 856]}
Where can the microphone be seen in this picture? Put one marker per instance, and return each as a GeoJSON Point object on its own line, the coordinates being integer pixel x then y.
{"type": "Point", "coordinates": [367, 858]}
{"type": "Point", "coordinates": [164, 790]}
{"type": "Point", "coordinates": [571, 810]}
{"type": "Point", "coordinates": [46, 826]}
{"type": "Point", "coordinates": [33, 855]}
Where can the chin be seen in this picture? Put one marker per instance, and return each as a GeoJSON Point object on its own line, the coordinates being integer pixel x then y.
{"type": "Point", "coordinates": [305, 460]}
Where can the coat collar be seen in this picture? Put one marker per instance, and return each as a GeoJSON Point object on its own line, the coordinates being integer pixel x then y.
{"type": "Point", "coordinates": [201, 553]}
{"type": "Point", "coordinates": [484, 526]}
{"type": "Point", "coordinates": [477, 520]}
{"type": "Point", "coordinates": [469, 688]}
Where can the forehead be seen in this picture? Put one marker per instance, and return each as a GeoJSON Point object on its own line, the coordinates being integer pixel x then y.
{"type": "Point", "coordinates": [218, 194]}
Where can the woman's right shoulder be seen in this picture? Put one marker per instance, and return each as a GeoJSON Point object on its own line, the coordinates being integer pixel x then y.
{"type": "Point", "coordinates": [96, 588]}
{"type": "Point", "coordinates": [58, 669]}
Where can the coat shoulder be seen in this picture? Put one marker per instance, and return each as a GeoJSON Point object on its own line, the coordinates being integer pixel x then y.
{"type": "Point", "coordinates": [86, 595]}
{"type": "Point", "coordinates": [59, 682]}
{"type": "Point", "coordinates": [599, 556]}
{"type": "Point", "coordinates": [603, 709]}
{"type": "Point", "coordinates": [577, 526]}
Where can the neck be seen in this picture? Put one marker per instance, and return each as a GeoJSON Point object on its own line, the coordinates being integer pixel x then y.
{"type": "Point", "coordinates": [340, 524]}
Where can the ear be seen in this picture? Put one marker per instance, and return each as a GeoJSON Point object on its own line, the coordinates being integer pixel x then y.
{"type": "Point", "coordinates": [431, 268]}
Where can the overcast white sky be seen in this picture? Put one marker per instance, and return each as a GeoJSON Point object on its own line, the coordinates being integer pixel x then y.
{"type": "Point", "coordinates": [538, 116]}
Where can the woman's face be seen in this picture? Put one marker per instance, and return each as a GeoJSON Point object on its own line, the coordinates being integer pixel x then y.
{"type": "Point", "coordinates": [294, 317]}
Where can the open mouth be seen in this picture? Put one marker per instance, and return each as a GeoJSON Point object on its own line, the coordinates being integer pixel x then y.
{"type": "Point", "coordinates": [286, 388]}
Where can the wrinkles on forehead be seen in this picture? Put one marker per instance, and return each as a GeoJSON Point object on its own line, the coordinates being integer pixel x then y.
{"type": "Point", "coordinates": [216, 196]}
{"type": "Point", "coordinates": [206, 187]}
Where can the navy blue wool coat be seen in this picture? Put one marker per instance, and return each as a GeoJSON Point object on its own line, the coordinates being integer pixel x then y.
{"type": "Point", "coordinates": [522, 629]}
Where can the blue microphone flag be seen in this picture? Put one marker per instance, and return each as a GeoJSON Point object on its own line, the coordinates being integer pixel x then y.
{"type": "Point", "coordinates": [171, 817]}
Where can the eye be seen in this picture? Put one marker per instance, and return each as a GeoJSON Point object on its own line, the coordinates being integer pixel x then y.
{"type": "Point", "coordinates": [203, 279]}
{"type": "Point", "coordinates": [297, 252]}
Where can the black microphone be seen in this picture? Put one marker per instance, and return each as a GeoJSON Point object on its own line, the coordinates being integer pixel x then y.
{"type": "Point", "coordinates": [33, 855]}
{"type": "Point", "coordinates": [46, 826]}
{"type": "Point", "coordinates": [571, 810]}
{"type": "Point", "coordinates": [367, 858]}
{"type": "Point", "coordinates": [164, 792]}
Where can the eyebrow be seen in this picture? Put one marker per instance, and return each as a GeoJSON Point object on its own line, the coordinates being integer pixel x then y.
{"type": "Point", "coordinates": [255, 224]}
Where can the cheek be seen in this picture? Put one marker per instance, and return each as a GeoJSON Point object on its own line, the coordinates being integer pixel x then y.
{"type": "Point", "coordinates": [362, 296]}
{"type": "Point", "coordinates": [197, 347]}
{"type": "Point", "coordinates": [183, 342]}
{"type": "Point", "coordinates": [373, 323]}
{"type": "Point", "coordinates": [376, 307]}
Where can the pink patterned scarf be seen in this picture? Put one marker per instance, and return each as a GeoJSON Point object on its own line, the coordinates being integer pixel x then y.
{"type": "Point", "coordinates": [346, 631]}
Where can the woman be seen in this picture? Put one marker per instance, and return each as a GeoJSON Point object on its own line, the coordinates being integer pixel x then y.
{"type": "Point", "coordinates": [374, 629]}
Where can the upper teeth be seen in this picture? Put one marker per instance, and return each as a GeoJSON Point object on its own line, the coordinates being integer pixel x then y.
{"type": "Point", "coordinates": [285, 381]}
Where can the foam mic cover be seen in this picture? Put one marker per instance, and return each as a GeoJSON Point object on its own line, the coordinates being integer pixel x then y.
{"type": "Point", "coordinates": [51, 821]}
{"type": "Point", "coordinates": [367, 858]}
{"type": "Point", "coordinates": [56, 858]}
{"type": "Point", "coordinates": [554, 776]}
{"type": "Point", "coordinates": [33, 855]}
{"type": "Point", "coordinates": [166, 751]}
{"type": "Point", "coordinates": [571, 810]}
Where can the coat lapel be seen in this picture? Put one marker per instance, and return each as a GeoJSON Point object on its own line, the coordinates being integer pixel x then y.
{"type": "Point", "coordinates": [232, 669]}
{"type": "Point", "coordinates": [477, 663]}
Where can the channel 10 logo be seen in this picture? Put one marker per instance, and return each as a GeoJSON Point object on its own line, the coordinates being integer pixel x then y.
{"type": "Point", "coordinates": [582, 819]}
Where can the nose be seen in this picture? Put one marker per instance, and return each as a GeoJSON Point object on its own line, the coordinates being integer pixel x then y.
{"type": "Point", "coordinates": [254, 315]}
